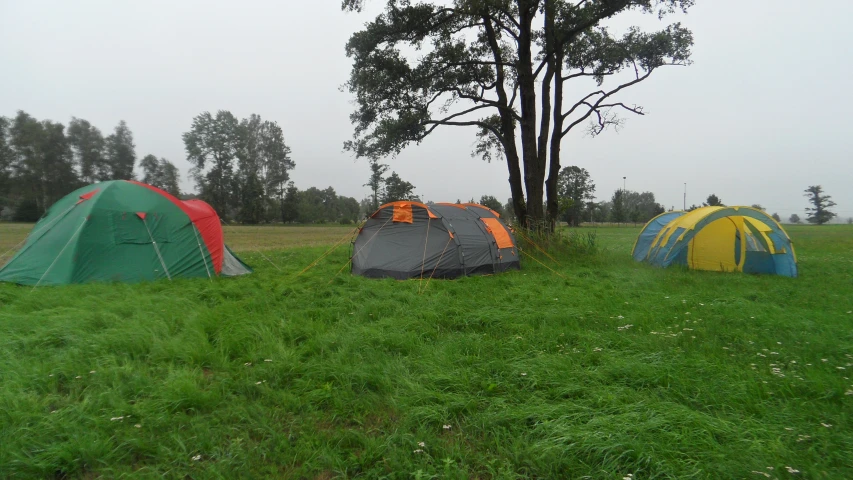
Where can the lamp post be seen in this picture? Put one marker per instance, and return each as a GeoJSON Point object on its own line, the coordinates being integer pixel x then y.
{"type": "Point", "coordinates": [623, 183]}
{"type": "Point", "coordinates": [685, 197]}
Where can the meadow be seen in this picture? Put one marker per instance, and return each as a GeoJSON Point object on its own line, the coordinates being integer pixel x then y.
{"type": "Point", "coordinates": [602, 368]}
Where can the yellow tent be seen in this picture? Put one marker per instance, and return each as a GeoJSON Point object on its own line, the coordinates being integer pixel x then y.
{"type": "Point", "coordinates": [727, 239]}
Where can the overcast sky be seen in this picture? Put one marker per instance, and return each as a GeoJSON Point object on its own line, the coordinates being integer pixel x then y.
{"type": "Point", "coordinates": [762, 114]}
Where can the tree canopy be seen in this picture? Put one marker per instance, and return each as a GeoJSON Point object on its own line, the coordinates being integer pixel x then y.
{"type": "Point", "coordinates": [241, 167]}
{"type": "Point", "coordinates": [576, 190]}
{"type": "Point", "coordinates": [398, 189]}
{"type": "Point", "coordinates": [713, 201]}
{"type": "Point", "coordinates": [819, 212]}
{"type": "Point", "coordinates": [501, 67]}
{"type": "Point", "coordinates": [161, 173]}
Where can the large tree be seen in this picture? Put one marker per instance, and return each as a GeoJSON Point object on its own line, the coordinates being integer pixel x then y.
{"type": "Point", "coordinates": [618, 209]}
{"type": "Point", "coordinates": [819, 212]}
{"type": "Point", "coordinates": [263, 167]}
{"type": "Point", "coordinates": [160, 173]}
{"type": "Point", "coordinates": [375, 182]}
{"type": "Point", "coordinates": [397, 189]}
{"type": "Point", "coordinates": [290, 204]}
{"type": "Point", "coordinates": [88, 146]}
{"type": "Point", "coordinates": [120, 153]}
{"type": "Point", "coordinates": [576, 189]}
{"type": "Point", "coordinates": [42, 164]}
{"type": "Point", "coordinates": [211, 146]}
{"type": "Point", "coordinates": [502, 67]}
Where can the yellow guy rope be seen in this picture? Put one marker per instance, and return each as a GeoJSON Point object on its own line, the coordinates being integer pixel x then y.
{"type": "Point", "coordinates": [526, 237]}
{"type": "Point", "coordinates": [334, 247]}
{"type": "Point", "coordinates": [540, 263]}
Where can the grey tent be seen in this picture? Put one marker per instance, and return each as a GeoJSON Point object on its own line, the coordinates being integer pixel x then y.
{"type": "Point", "coordinates": [410, 239]}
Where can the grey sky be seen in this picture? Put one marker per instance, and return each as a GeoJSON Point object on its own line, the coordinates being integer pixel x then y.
{"type": "Point", "coordinates": [761, 115]}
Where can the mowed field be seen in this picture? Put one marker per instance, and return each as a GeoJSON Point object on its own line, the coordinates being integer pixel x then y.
{"type": "Point", "coordinates": [609, 369]}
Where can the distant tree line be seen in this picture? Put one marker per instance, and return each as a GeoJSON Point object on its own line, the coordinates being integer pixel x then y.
{"type": "Point", "coordinates": [318, 206]}
{"type": "Point", "coordinates": [41, 161]}
{"type": "Point", "coordinates": [577, 205]}
{"type": "Point", "coordinates": [818, 213]}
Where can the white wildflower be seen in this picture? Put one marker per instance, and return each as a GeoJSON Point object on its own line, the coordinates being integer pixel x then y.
{"type": "Point", "coordinates": [117, 419]}
{"type": "Point", "coordinates": [827, 425]}
{"type": "Point", "coordinates": [446, 427]}
{"type": "Point", "coordinates": [268, 360]}
{"type": "Point", "coordinates": [422, 444]}
{"type": "Point", "coordinates": [417, 450]}
{"type": "Point", "coordinates": [197, 458]}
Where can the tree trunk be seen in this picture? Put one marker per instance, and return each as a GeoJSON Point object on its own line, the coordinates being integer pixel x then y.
{"type": "Point", "coordinates": [507, 129]}
{"type": "Point", "coordinates": [556, 138]}
{"type": "Point", "coordinates": [533, 174]}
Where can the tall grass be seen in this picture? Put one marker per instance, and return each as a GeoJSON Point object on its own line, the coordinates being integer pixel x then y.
{"type": "Point", "coordinates": [612, 368]}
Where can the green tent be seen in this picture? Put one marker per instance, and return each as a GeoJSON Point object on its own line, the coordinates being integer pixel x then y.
{"type": "Point", "coordinates": [122, 231]}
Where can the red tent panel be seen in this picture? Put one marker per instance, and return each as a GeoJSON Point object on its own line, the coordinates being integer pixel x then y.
{"type": "Point", "coordinates": [205, 219]}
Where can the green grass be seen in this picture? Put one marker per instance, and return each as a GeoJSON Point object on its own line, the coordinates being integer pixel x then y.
{"type": "Point", "coordinates": [596, 375]}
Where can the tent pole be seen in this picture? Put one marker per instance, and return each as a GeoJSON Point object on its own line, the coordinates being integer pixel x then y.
{"type": "Point", "coordinates": [203, 258]}
{"type": "Point", "coordinates": [423, 260]}
{"type": "Point", "coordinates": [60, 253]}
{"type": "Point", "coordinates": [58, 217]}
{"type": "Point", "coordinates": [156, 249]}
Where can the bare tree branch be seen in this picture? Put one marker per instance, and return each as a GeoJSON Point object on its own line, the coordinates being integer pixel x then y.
{"type": "Point", "coordinates": [598, 104]}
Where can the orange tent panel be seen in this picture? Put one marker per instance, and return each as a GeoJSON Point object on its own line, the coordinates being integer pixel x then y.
{"type": "Point", "coordinates": [403, 212]}
{"type": "Point", "coordinates": [494, 226]}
